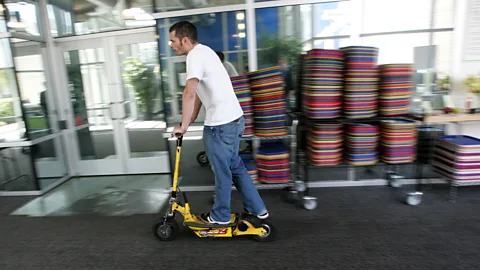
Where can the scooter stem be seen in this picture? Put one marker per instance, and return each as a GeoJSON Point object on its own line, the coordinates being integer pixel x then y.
{"type": "Point", "coordinates": [177, 164]}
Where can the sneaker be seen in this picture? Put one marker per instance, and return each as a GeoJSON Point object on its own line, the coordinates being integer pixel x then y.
{"type": "Point", "coordinates": [261, 216]}
{"type": "Point", "coordinates": [207, 218]}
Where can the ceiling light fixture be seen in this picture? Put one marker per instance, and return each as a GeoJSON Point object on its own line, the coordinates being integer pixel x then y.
{"type": "Point", "coordinates": [240, 16]}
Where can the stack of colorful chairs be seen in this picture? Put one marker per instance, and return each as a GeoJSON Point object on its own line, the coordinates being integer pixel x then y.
{"type": "Point", "coordinates": [273, 163]}
{"type": "Point", "coordinates": [398, 141]}
{"type": "Point", "coordinates": [242, 90]}
{"type": "Point", "coordinates": [360, 96]}
{"type": "Point", "coordinates": [361, 143]}
{"type": "Point", "coordinates": [269, 107]}
{"type": "Point", "coordinates": [325, 144]}
{"type": "Point", "coordinates": [323, 84]}
{"type": "Point", "coordinates": [396, 84]}
{"type": "Point", "coordinates": [457, 158]}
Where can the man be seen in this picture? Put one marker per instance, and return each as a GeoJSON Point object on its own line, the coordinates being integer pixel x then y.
{"type": "Point", "coordinates": [208, 83]}
{"type": "Point", "coordinates": [287, 78]}
{"type": "Point", "coordinates": [228, 66]}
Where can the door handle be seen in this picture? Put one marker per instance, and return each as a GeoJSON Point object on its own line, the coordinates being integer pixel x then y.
{"type": "Point", "coordinates": [110, 108]}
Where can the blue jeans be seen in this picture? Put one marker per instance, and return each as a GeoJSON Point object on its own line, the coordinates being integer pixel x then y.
{"type": "Point", "coordinates": [222, 145]}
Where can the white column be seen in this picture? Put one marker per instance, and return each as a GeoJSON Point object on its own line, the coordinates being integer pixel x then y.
{"type": "Point", "coordinates": [251, 36]}
{"type": "Point", "coordinates": [57, 93]}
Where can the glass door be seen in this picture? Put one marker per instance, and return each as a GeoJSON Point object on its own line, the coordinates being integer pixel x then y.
{"type": "Point", "coordinates": [92, 112]}
{"type": "Point", "coordinates": [116, 107]}
{"type": "Point", "coordinates": [143, 121]}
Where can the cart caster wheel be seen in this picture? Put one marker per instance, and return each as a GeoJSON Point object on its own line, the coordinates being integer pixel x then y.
{"type": "Point", "coordinates": [166, 230]}
{"type": "Point", "coordinates": [290, 195]}
{"type": "Point", "coordinates": [394, 180]}
{"type": "Point", "coordinates": [414, 198]}
{"type": "Point", "coordinates": [202, 158]}
{"type": "Point", "coordinates": [269, 235]}
{"type": "Point", "coordinates": [300, 186]}
{"type": "Point", "coordinates": [395, 183]}
{"type": "Point", "coordinates": [309, 203]}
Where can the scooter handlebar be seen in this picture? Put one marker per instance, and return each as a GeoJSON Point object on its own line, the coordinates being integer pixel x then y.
{"type": "Point", "coordinates": [180, 137]}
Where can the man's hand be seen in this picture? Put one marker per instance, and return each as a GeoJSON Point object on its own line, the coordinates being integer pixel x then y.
{"type": "Point", "coordinates": [178, 132]}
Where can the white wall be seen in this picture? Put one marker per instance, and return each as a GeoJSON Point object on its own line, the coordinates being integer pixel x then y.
{"type": "Point", "coordinates": [462, 68]}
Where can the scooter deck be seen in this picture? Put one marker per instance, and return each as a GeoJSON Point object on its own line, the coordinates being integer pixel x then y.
{"type": "Point", "coordinates": [202, 224]}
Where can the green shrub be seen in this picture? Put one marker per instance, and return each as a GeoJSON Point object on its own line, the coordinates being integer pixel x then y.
{"type": "Point", "coordinates": [6, 109]}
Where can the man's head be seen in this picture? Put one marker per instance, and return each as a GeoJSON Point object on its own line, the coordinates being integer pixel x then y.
{"type": "Point", "coordinates": [183, 37]}
{"type": "Point", "coordinates": [221, 56]}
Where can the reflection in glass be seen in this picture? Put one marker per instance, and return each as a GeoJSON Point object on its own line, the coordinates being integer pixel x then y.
{"type": "Point", "coordinates": [22, 16]}
{"type": "Point", "coordinates": [31, 168]}
{"type": "Point", "coordinates": [396, 48]}
{"type": "Point", "coordinates": [79, 17]}
{"type": "Point", "coordinates": [331, 44]}
{"type": "Point", "coordinates": [224, 32]}
{"type": "Point", "coordinates": [144, 117]}
{"type": "Point", "coordinates": [169, 5]}
{"type": "Point", "coordinates": [331, 19]}
{"type": "Point", "coordinates": [140, 73]}
{"type": "Point", "coordinates": [88, 87]}
{"type": "Point", "coordinates": [3, 21]}
{"type": "Point", "coordinates": [444, 42]}
{"type": "Point", "coordinates": [284, 32]}
{"type": "Point", "coordinates": [444, 13]}
{"type": "Point", "coordinates": [387, 16]}
{"type": "Point", "coordinates": [33, 87]}
{"type": "Point", "coordinates": [12, 127]}
{"type": "Point", "coordinates": [49, 162]}
{"type": "Point", "coordinates": [16, 172]}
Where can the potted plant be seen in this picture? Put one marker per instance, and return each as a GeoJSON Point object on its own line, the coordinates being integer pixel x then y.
{"type": "Point", "coordinates": [472, 83]}
{"type": "Point", "coordinates": [444, 83]}
{"type": "Point", "coordinates": [143, 81]}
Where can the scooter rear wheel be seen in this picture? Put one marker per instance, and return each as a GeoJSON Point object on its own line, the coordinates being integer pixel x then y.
{"type": "Point", "coordinates": [269, 235]}
{"type": "Point", "coordinates": [166, 230]}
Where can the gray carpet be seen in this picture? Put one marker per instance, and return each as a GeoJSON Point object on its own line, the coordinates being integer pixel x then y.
{"type": "Point", "coordinates": [353, 228]}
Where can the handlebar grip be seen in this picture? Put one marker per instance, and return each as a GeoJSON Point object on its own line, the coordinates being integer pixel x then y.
{"type": "Point", "coordinates": [179, 140]}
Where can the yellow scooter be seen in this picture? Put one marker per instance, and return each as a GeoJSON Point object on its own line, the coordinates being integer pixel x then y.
{"type": "Point", "coordinates": [167, 229]}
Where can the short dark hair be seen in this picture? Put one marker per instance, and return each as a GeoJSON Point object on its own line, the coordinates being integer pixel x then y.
{"type": "Point", "coordinates": [221, 56]}
{"type": "Point", "coordinates": [185, 29]}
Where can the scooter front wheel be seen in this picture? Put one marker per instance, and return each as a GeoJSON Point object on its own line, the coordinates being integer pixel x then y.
{"type": "Point", "coordinates": [270, 233]}
{"type": "Point", "coordinates": [166, 230]}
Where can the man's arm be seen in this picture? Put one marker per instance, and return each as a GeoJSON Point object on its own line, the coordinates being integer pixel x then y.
{"type": "Point", "coordinates": [188, 102]}
{"type": "Point", "coordinates": [196, 109]}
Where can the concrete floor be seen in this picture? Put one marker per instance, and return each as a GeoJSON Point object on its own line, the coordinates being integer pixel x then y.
{"type": "Point", "coordinates": [109, 196]}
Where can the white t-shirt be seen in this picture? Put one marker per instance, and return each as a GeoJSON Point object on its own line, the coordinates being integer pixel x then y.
{"type": "Point", "coordinates": [215, 88]}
